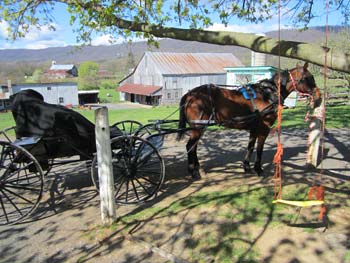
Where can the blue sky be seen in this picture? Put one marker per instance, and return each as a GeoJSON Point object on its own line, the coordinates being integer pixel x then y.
{"type": "Point", "coordinates": [63, 36]}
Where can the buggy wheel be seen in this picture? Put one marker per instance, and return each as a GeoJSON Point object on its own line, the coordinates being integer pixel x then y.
{"type": "Point", "coordinates": [146, 131]}
{"type": "Point", "coordinates": [138, 169]}
{"type": "Point", "coordinates": [128, 127]}
{"type": "Point", "coordinates": [21, 183]}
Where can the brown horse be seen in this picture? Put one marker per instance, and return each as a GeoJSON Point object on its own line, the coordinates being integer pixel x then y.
{"type": "Point", "coordinates": [210, 104]}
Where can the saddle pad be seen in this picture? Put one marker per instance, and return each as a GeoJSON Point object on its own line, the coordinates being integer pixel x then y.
{"type": "Point", "coordinates": [248, 93]}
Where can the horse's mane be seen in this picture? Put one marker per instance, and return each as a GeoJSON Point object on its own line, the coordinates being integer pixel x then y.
{"type": "Point", "coordinates": [284, 77]}
{"type": "Point", "coordinates": [268, 89]}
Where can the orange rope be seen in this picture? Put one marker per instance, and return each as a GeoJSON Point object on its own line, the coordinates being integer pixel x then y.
{"type": "Point", "coordinates": [278, 156]}
{"type": "Point", "coordinates": [325, 92]}
{"type": "Point", "coordinates": [319, 190]}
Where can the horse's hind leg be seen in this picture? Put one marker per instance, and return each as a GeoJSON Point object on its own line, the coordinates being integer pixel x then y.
{"type": "Point", "coordinates": [252, 139]}
{"type": "Point", "coordinates": [191, 147]}
{"type": "Point", "coordinates": [259, 150]}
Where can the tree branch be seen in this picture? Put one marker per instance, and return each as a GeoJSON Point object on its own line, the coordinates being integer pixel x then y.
{"type": "Point", "coordinates": [291, 49]}
{"type": "Point", "coordinates": [336, 60]}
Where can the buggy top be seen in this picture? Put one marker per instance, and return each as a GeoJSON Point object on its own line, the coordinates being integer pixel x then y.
{"type": "Point", "coordinates": [36, 118]}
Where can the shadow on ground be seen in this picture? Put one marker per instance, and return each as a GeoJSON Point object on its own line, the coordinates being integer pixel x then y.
{"type": "Point", "coordinates": [228, 216]}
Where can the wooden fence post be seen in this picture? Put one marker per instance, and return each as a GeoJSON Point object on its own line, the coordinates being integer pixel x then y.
{"type": "Point", "coordinates": [315, 133]}
{"type": "Point", "coordinates": [105, 169]}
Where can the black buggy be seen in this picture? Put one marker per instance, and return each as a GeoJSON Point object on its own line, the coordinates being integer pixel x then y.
{"type": "Point", "coordinates": [50, 135]}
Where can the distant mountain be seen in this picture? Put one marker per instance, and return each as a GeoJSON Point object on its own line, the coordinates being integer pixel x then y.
{"type": "Point", "coordinates": [16, 64]}
{"type": "Point", "coordinates": [77, 55]}
{"type": "Point", "coordinates": [104, 53]}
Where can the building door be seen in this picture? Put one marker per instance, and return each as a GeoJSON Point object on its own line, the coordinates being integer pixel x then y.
{"type": "Point", "coordinates": [132, 97]}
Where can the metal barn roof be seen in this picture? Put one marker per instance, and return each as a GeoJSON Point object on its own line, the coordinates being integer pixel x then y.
{"type": "Point", "coordinates": [61, 67]}
{"type": "Point", "coordinates": [140, 89]}
{"type": "Point", "coordinates": [192, 63]}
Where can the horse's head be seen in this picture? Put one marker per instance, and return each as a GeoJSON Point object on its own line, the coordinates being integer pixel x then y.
{"type": "Point", "coordinates": [301, 80]}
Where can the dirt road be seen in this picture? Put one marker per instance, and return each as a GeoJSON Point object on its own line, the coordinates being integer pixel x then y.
{"type": "Point", "coordinates": [66, 225]}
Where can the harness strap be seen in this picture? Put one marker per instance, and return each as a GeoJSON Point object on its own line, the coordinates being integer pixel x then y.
{"type": "Point", "coordinates": [210, 120]}
{"type": "Point", "coordinates": [272, 108]}
{"type": "Point", "coordinates": [252, 99]}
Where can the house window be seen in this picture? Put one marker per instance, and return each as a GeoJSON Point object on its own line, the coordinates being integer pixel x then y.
{"type": "Point", "coordinates": [48, 88]}
{"type": "Point", "coordinates": [61, 100]}
{"type": "Point", "coordinates": [176, 94]}
{"type": "Point", "coordinates": [168, 95]}
{"type": "Point", "coordinates": [174, 83]}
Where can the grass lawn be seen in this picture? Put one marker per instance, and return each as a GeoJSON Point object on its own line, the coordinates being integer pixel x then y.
{"type": "Point", "coordinates": [108, 95]}
{"type": "Point", "coordinates": [337, 116]}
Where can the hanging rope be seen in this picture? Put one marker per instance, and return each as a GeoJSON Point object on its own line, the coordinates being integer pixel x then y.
{"type": "Point", "coordinates": [317, 192]}
{"type": "Point", "coordinates": [278, 155]}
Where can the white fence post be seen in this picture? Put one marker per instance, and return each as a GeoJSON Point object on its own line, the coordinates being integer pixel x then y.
{"type": "Point", "coordinates": [105, 169]}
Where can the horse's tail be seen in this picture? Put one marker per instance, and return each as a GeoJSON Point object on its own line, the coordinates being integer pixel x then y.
{"type": "Point", "coordinates": [182, 118]}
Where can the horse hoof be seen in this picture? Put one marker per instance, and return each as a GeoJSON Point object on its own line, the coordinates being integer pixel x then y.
{"type": "Point", "coordinates": [196, 175]}
{"type": "Point", "coordinates": [246, 167]}
{"type": "Point", "coordinates": [259, 171]}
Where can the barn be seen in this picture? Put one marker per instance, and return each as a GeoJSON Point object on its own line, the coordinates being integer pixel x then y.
{"type": "Point", "coordinates": [162, 78]}
{"type": "Point", "coordinates": [61, 71]}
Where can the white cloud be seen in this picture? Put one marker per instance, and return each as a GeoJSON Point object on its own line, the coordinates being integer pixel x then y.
{"type": "Point", "coordinates": [45, 32]}
{"type": "Point", "coordinates": [36, 38]}
{"type": "Point", "coordinates": [103, 40]}
{"type": "Point", "coordinates": [108, 39]}
{"type": "Point", "coordinates": [3, 29]}
{"type": "Point", "coordinates": [45, 44]}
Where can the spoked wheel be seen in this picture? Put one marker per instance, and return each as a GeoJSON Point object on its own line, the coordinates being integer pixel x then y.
{"type": "Point", "coordinates": [21, 183]}
{"type": "Point", "coordinates": [145, 131]}
{"type": "Point", "coordinates": [138, 169]}
{"type": "Point", "coordinates": [128, 127]}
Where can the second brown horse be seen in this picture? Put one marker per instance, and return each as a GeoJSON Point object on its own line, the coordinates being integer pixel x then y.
{"type": "Point", "coordinates": [210, 104]}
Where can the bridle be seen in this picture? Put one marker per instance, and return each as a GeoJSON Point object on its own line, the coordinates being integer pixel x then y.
{"type": "Point", "coordinates": [296, 82]}
{"type": "Point", "coordinates": [293, 81]}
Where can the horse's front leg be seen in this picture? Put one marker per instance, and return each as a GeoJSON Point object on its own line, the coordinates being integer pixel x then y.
{"type": "Point", "coordinates": [259, 151]}
{"type": "Point", "coordinates": [191, 147]}
{"type": "Point", "coordinates": [252, 139]}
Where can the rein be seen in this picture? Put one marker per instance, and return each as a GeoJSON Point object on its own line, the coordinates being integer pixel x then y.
{"type": "Point", "coordinates": [293, 81]}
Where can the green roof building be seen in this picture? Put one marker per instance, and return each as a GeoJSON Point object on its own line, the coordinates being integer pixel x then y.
{"type": "Point", "coordinates": [244, 75]}
{"type": "Point", "coordinates": [238, 76]}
